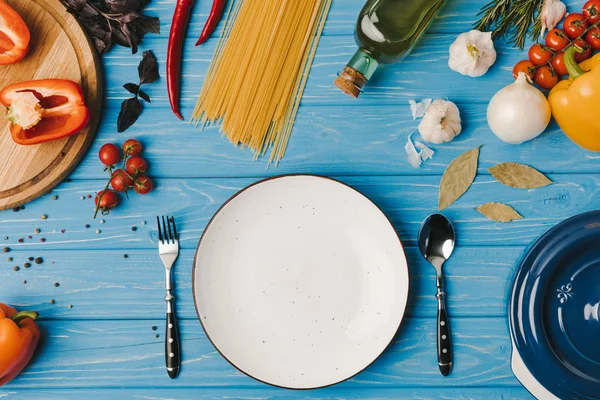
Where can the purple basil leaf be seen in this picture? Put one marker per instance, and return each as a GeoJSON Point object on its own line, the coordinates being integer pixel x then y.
{"type": "Point", "coordinates": [130, 112]}
{"type": "Point", "coordinates": [132, 88]}
{"type": "Point", "coordinates": [129, 17]}
{"type": "Point", "coordinates": [74, 5]}
{"type": "Point", "coordinates": [132, 38]}
{"type": "Point", "coordinates": [99, 33]}
{"type": "Point", "coordinates": [143, 25]}
{"type": "Point", "coordinates": [88, 11]}
{"type": "Point", "coordinates": [122, 6]}
{"type": "Point", "coordinates": [118, 36]}
{"type": "Point", "coordinates": [148, 68]}
{"type": "Point", "coordinates": [144, 96]}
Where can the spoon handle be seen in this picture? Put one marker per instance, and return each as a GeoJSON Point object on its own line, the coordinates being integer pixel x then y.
{"type": "Point", "coordinates": [444, 341]}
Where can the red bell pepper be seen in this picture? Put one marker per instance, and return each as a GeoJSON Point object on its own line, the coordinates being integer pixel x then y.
{"type": "Point", "coordinates": [19, 336]}
{"type": "Point", "coordinates": [44, 110]}
{"type": "Point", "coordinates": [14, 36]}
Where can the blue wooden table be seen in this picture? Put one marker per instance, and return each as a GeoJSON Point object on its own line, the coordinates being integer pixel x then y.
{"type": "Point", "coordinates": [97, 335]}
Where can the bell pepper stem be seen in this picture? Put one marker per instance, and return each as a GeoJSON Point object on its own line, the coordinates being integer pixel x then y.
{"type": "Point", "coordinates": [21, 315]}
{"type": "Point", "coordinates": [575, 71]}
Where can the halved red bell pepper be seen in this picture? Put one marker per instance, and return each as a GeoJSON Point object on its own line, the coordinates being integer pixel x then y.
{"type": "Point", "coordinates": [44, 110]}
{"type": "Point", "coordinates": [14, 36]}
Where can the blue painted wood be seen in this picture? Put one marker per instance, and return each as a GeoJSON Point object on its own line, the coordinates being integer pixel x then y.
{"type": "Point", "coordinates": [98, 348]}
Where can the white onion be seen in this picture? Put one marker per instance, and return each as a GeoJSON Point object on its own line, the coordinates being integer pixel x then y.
{"type": "Point", "coordinates": [519, 112]}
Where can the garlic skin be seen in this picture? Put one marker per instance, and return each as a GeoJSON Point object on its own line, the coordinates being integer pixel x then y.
{"type": "Point", "coordinates": [472, 53]}
{"type": "Point", "coordinates": [553, 11]}
{"type": "Point", "coordinates": [441, 122]}
{"type": "Point", "coordinates": [519, 112]}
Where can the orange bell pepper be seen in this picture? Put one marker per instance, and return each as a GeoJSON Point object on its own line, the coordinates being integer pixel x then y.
{"type": "Point", "coordinates": [19, 336]}
{"type": "Point", "coordinates": [14, 36]}
{"type": "Point", "coordinates": [575, 101]}
{"type": "Point", "coordinates": [44, 110]}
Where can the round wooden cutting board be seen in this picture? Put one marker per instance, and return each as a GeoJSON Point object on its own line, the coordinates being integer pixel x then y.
{"type": "Point", "coordinates": [59, 49]}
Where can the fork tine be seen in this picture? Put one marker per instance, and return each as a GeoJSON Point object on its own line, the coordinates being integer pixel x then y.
{"type": "Point", "coordinates": [164, 226]}
{"type": "Point", "coordinates": [171, 238]}
{"type": "Point", "coordinates": [160, 236]}
{"type": "Point", "coordinates": [175, 237]}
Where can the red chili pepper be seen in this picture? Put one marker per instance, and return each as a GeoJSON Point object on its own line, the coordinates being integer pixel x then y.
{"type": "Point", "coordinates": [216, 13]}
{"type": "Point", "coordinates": [181, 17]}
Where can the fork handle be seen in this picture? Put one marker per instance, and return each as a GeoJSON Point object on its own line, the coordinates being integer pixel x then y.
{"type": "Point", "coordinates": [172, 353]}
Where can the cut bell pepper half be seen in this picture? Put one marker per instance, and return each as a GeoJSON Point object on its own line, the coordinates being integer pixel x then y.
{"type": "Point", "coordinates": [14, 35]}
{"type": "Point", "coordinates": [61, 105]}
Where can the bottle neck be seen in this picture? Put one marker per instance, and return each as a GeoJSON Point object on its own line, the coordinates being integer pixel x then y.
{"type": "Point", "coordinates": [364, 63]}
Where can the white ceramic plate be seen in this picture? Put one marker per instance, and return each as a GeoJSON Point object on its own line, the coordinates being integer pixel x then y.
{"type": "Point", "coordinates": [300, 281]}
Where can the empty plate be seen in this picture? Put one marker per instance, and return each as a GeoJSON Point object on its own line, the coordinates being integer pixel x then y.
{"type": "Point", "coordinates": [300, 281]}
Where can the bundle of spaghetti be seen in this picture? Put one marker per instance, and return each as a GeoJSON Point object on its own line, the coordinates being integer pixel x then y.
{"type": "Point", "coordinates": [259, 71]}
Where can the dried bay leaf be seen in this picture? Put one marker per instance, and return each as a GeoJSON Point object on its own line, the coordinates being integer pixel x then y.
{"type": "Point", "coordinates": [519, 176]}
{"type": "Point", "coordinates": [458, 177]}
{"type": "Point", "coordinates": [499, 212]}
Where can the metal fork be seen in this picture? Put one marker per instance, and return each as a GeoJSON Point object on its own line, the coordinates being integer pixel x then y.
{"type": "Point", "coordinates": [168, 248]}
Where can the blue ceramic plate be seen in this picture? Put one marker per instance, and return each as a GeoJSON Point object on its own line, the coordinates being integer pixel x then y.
{"type": "Point", "coordinates": [554, 310]}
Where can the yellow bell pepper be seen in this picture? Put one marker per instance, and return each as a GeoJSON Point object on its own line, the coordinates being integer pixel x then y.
{"type": "Point", "coordinates": [575, 101]}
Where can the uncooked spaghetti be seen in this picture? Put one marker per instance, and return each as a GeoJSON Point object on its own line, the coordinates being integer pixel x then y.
{"type": "Point", "coordinates": [259, 71]}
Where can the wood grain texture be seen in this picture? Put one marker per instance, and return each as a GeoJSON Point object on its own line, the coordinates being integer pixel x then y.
{"type": "Point", "coordinates": [137, 283]}
{"type": "Point", "coordinates": [59, 49]}
{"type": "Point", "coordinates": [111, 353]}
{"type": "Point", "coordinates": [405, 200]}
{"type": "Point", "coordinates": [399, 393]}
{"type": "Point", "coordinates": [334, 141]}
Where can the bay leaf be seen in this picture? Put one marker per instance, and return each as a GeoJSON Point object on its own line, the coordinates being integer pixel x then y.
{"type": "Point", "coordinates": [519, 176]}
{"type": "Point", "coordinates": [458, 177]}
{"type": "Point", "coordinates": [499, 212]}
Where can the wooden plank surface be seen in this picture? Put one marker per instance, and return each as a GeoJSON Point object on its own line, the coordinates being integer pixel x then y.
{"type": "Point", "coordinates": [104, 348]}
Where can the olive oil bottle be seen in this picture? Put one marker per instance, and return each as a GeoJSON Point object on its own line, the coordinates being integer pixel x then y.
{"type": "Point", "coordinates": [386, 31]}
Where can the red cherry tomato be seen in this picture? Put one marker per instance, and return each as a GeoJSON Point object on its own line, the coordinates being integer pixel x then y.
{"type": "Point", "coordinates": [106, 200]}
{"type": "Point", "coordinates": [121, 181]}
{"type": "Point", "coordinates": [143, 185]}
{"type": "Point", "coordinates": [587, 50]}
{"type": "Point", "coordinates": [109, 154]}
{"type": "Point", "coordinates": [557, 40]}
{"type": "Point", "coordinates": [575, 25]}
{"type": "Point", "coordinates": [539, 54]}
{"type": "Point", "coordinates": [136, 165]}
{"type": "Point", "coordinates": [558, 63]}
{"type": "Point", "coordinates": [593, 38]}
{"type": "Point", "coordinates": [132, 147]}
{"type": "Point", "coordinates": [591, 11]}
{"type": "Point", "coordinates": [525, 66]}
{"type": "Point", "coordinates": [546, 77]}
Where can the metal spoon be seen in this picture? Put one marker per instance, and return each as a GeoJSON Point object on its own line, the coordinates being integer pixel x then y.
{"type": "Point", "coordinates": [436, 242]}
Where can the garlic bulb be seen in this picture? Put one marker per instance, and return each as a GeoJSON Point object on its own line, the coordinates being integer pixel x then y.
{"type": "Point", "coordinates": [552, 13]}
{"type": "Point", "coordinates": [519, 112]}
{"type": "Point", "coordinates": [472, 53]}
{"type": "Point", "coordinates": [441, 122]}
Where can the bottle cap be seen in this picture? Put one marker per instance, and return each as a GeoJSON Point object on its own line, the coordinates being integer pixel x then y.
{"type": "Point", "coordinates": [358, 71]}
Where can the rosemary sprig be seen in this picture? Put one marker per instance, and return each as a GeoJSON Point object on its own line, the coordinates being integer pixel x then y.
{"type": "Point", "coordinates": [513, 20]}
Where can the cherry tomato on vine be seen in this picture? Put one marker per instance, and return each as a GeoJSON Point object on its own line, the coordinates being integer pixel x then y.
{"type": "Point", "coordinates": [575, 25]}
{"type": "Point", "coordinates": [106, 200]}
{"type": "Point", "coordinates": [540, 54]}
{"type": "Point", "coordinates": [587, 50]}
{"type": "Point", "coordinates": [132, 147]}
{"type": "Point", "coordinates": [143, 185]}
{"type": "Point", "coordinates": [525, 66]}
{"type": "Point", "coordinates": [121, 181]}
{"type": "Point", "coordinates": [546, 77]}
{"type": "Point", "coordinates": [556, 39]}
{"type": "Point", "coordinates": [591, 11]}
{"type": "Point", "coordinates": [136, 165]}
{"type": "Point", "coordinates": [558, 63]}
{"type": "Point", "coordinates": [593, 38]}
{"type": "Point", "coordinates": [109, 154]}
